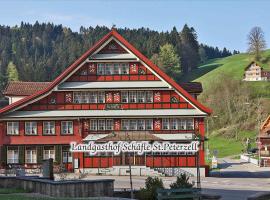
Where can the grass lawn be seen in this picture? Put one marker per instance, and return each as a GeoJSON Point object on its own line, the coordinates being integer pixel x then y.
{"type": "Point", "coordinates": [234, 66]}
{"type": "Point", "coordinates": [229, 146]}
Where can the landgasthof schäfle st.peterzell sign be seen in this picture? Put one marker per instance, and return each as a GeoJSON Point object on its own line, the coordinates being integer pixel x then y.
{"type": "Point", "coordinates": [139, 147]}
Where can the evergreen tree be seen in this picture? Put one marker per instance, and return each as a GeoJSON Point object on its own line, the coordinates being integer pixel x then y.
{"type": "Point", "coordinates": [12, 73]}
{"type": "Point", "coordinates": [190, 49]}
{"type": "Point", "coordinates": [169, 60]}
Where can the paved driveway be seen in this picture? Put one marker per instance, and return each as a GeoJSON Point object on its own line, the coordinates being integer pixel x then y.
{"type": "Point", "coordinates": [235, 181]}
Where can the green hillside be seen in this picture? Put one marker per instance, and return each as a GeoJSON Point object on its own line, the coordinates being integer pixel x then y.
{"type": "Point", "coordinates": [223, 86]}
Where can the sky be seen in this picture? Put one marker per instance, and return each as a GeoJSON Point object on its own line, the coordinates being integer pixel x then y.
{"type": "Point", "coordinates": [222, 23]}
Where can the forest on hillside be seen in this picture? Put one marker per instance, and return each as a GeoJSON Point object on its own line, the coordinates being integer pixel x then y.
{"type": "Point", "coordinates": [41, 51]}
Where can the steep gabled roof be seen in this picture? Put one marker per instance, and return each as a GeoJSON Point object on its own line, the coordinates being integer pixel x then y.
{"type": "Point", "coordinates": [116, 35]}
{"type": "Point", "coordinates": [21, 88]}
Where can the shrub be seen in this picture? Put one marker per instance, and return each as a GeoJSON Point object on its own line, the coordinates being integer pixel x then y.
{"type": "Point", "coordinates": [182, 181]}
{"type": "Point", "coordinates": [151, 185]}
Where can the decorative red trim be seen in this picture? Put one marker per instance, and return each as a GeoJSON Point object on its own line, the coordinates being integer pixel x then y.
{"type": "Point", "coordinates": [116, 35]}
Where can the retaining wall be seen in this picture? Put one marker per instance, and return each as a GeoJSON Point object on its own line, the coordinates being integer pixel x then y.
{"type": "Point", "coordinates": [80, 188]}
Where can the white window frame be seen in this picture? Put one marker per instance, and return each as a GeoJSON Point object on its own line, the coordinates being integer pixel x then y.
{"type": "Point", "coordinates": [101, 124]}
{"type": "Point", "coordinates": [30, 128]}
{"type": "Point", "coordinates": [133, 124]}
{"type": "Point", "coordinates": [141, 124]}
{"type": "Point", "coordinates": [93, 125]}
{"type": "Point", "coordinates": [124, 68]}
{"type": "Point", "coordinates": [92, 97]}
{"type": "Point", "coordinates": [12, 155]}
{"type": "Point", "coordinates": [49, 128]}
{"type": "Point", "coordinates": [149, 124]}
{"type": "Point", "coordinates": [12, 128]}
{"type": "Point", "coordinates": [124, 96]}
{"type": "Point", "coordinates": [140, 96]}
{"type": "Point", "coordinates": [109, 124]}
{"type": "Point", "coordinates": [32, 152]}
{"type": "Point", "coordinates": [190, 124]}
{"type": "Point", "coordinates": [67, 157]}
{"type": "Point", "coordinates": [132, 96]}
{"type": "Point", "coordinates": [108, 69]}
{"type": "Point", "coordinates": [101, 97]}
{"type": "Point", "coordinates": [149, 96]}
{"type": "Point", "coordinates": [100, 69]}
{"type": "Point", "coordinates": [173, 124]}
{"type": "Point", "coordinates": [48, 152]}
{"type": "Point", "coordinates": [182, 124]}
{"type": "Point", "coordinates": [124, 124]}
{"type": "Point", "coordinates": [67, 127]}
{"type": "Point", "coordinates": [85, 97]}
{"type": "Point", "coordinates": [166, 124]}
{"type": "Point", "coordinates": [77, 97]}
{"type": "Point", "coordinates": [116, 68]}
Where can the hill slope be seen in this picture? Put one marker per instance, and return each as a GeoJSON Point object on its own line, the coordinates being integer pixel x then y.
{"type": "Point", "coordinates": [238, 107]}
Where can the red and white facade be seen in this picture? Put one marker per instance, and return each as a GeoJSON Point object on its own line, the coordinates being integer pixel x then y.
{"type": "Point", "coordinates": [111, 93]}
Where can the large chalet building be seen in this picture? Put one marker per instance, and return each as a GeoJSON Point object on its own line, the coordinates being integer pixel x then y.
{"type": "Point", "coordinates": [111, 93]}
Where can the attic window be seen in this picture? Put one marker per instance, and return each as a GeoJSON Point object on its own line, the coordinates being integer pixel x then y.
{"type": "Point", "coordinates": [141, 71]}
{"type": "Point", "coordinates": [174, 100]}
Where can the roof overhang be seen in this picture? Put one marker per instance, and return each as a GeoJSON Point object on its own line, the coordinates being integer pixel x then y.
{"type": "Point", "coordinates": [111, 85]}
{"type": "Point", "coordinates": [106, 113]}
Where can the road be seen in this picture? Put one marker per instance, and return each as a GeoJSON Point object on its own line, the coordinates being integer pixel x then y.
{"type": "Point", "coordinates": [235, 181]}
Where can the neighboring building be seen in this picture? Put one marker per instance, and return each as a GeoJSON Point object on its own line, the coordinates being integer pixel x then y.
{"type": "Point", "coordinates": [264, 142]}
{"type": "Point", "coordinates": [17, 90]}
{"type": "Point", "coordinates": [253, 72]}
{"type": "Point", "coordinates": [111, 93]}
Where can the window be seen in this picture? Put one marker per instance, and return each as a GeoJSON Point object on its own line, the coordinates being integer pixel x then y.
{"type": "Point", "coordinates": [101, 97]}
{"type": "Point", "coordinates": [67, 157]}
{"type": "Point", "coordinates": [30, 128]}
{"type": "Point", "coordinates": [13, 155]}
{"type": "Point", "coordinates": [174, 124]}
{"type": "Point", "coordinates": [84, 97]}
{"type": "Point", "coordinates": [149, 96]}
{"type": "Point", "coordinates": [116, 69]}
{"type": "Point", "coordinates": [100, 69]}
{"type": "Point", "coordinates": [141, 124]}
{"type": "Point", "coordinates": [77, 97]}
{"type": "Point", "coordinates": [93, 124]}
{"type": "Point", "coordinates": [124, 97]}
{"type": "Point", "coordinates": [30, 155]}
{"type": "Point", "coordinates": [13, 128]}
{"type": "Point", "coordinates": [124, 68]}
{"type": "Point", "coordinates": [190, 124]}
{"type": "Point", "coordinates": [165, 124]}
{"type": "Point", "coordinates": [132, 97]}
{"type": "Point", "coordinates": [125, 124]}
{"type": "Point", "coordinates": [182, 124]}
{"type": "Point", "coordinates": [93, 97]}
{"type": "Point", "coordinates": [48, 152]}
{"type": "Point", "coordinates": [148, 124]}
{"type": "Point", "coordinates": [67, 127]}
{"type": "Point", "coordinates": [49, 128]}
{"type": "Point", "coordinates": [101, 124]}
{"type": "Point", "coordinates": [108, 69]}
{"type": "Point", "coordinates": [133, 124]}
{"type": "Point", "coordinates": [141, 97]}
{"type": "Point", "coordinates": [109, 124]}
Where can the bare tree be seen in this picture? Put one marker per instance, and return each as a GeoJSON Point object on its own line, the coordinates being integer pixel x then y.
{"type": "Point", "coordinates": [256, 42]}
